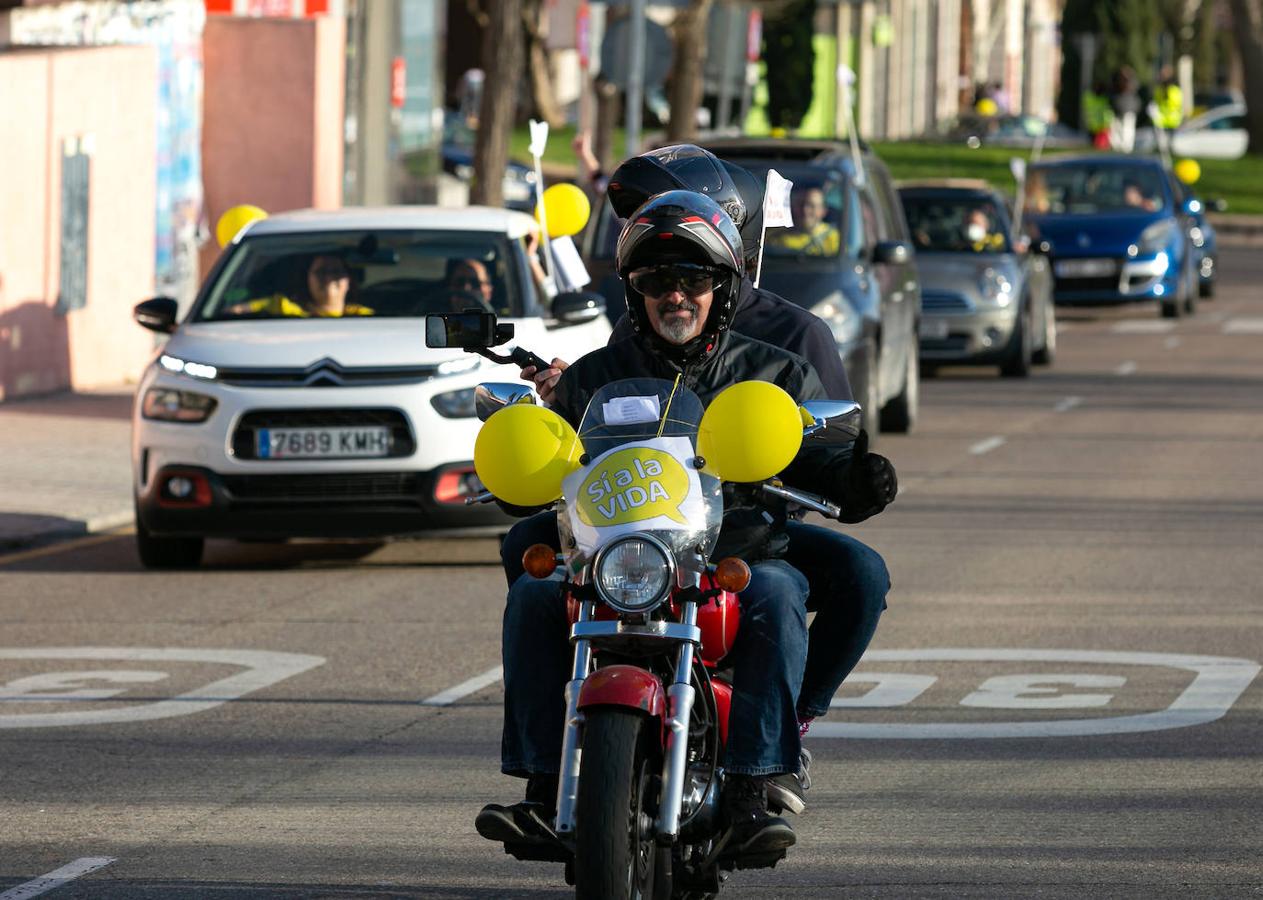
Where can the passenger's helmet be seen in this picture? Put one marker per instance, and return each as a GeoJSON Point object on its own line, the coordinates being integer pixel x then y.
{"type": "Point", "coordinates": [682, 227]}
{"type": "Point", "coordinates": [687, 167]}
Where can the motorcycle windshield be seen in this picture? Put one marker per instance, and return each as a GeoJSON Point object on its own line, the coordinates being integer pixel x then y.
{"type": "Point", "coordinates": [640, 440]}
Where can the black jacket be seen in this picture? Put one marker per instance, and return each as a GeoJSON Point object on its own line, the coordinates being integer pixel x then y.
{"type": "Point", "coordinates": [753, 525]}
{"type": "Point", "coordinates": [771, 318]}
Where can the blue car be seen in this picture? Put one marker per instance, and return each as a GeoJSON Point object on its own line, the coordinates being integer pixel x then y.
{"type": "Point", "coordinates": [1117, 229]}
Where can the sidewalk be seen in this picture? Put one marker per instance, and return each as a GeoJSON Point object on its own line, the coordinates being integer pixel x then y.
{"type": "Point", "coordinates": [64, 466]}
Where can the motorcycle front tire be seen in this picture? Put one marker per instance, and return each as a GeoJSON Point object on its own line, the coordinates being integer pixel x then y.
{"type": "Point", "coordinates": [615, 859]}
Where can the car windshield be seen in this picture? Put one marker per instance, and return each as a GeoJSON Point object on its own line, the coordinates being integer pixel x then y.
{"type": "Point", "coordinates": [386, 273]}
{"type": "Point", "coordinates": [956, 224]}
{"type": "Point", "coordinates": [1092, 189]}
{"type": "Point", "coordinates": [818, 203]}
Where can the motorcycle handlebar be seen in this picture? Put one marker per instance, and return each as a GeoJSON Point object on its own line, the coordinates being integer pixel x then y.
{"type": "Point", "coordinates": [810, 501]}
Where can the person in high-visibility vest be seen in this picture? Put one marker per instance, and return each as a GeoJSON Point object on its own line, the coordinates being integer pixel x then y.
{"type": "Point", "coordinates": [1098, 115]}
{"type": "Point", "coordinates": [1170, 102]}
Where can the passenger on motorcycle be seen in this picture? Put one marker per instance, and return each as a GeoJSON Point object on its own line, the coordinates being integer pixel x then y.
{"type": "Point", "coordinates": [848, 579]}
{"type": "Point", "coordinates": [682, 261]}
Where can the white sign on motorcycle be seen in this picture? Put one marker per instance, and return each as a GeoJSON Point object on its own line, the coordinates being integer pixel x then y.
{"type": "Point", "coordinates": [641, 486]}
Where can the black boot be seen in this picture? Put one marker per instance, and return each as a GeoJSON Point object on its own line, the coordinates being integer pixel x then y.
{"type": "Point", "coordinates": [752, 829]}
{"type": "Point", "coordinates": [530, 820]}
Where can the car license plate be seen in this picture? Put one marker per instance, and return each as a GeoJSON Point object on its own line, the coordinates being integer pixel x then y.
{"type": "Point", "coordinates": [934, 329]}
{"type": "Point", "coordinates": [322, 443]}
{"type": "Point", "coordinates": [1085, 268]}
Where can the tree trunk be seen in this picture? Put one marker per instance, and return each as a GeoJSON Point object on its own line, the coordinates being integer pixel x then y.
{"type": "Point", "coordinates": [686, 76]}
{"type": "Point", "coordinates": [539, 59]}
{"type": "Point", "coordinates": [1248, 19]}
{"type": "Point", "coordinates": [503, 62]}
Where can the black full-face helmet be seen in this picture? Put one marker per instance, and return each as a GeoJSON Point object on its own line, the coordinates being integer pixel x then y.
{"type": "Point", "coordinates": [680, 167]}
{"type": "Point", "coordinates": [682, 227]}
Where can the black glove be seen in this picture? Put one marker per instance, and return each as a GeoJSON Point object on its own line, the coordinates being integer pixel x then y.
{"type": "Point", "coordinates": [519, 512]}
{"type": "Point", "coordinates": [867, 485]}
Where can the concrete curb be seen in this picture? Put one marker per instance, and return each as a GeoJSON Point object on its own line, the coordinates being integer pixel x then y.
{"type": "Point", "coordinates": [63, 531]}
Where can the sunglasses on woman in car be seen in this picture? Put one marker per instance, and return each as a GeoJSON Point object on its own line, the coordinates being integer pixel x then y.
{"type": "Point", "coordinates": [689, 278]}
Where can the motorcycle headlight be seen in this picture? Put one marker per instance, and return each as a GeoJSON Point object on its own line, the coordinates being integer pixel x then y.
{"type": "Point", "coordinates": [634, 574]}
{"type": "Point", "coordinates": [840, 316]}
{"type": "Point", "coordinates": [455, 404]}
{"type": "Point", "coordinates": [1156, 237]}
{"type": "Point", "coordinates": [167, 405]}
{"type": "Point", "coordinates": [995, 288]}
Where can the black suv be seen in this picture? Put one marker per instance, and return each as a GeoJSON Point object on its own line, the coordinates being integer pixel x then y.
{"type": "Point", "coordinates": [849, 260]}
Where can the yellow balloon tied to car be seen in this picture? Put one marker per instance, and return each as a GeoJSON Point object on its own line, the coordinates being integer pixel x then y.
{"type": "Point", "coordinates": [567, 209]}
{"type": "Point", "coordinates": [235, 219]}
{"type": "Point", "coordinates": [523, 452]}
{"type": "Point", "coordinates": [750, 432]}
{"type": "Point", "coordinates": [1188, 171]}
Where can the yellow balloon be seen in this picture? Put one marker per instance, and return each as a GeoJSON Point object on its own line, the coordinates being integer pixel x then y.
{"type": "Point", "coordinates": [751, 431]}
{"type": "Point", "coordinates": [986, 107]}
{"type": "Point", "coordinates": [1188, 171]}
{"type": "Point", "coordinates": [235, 219]}
{"type": "Point", "coordinates": [567, 208]}
{"type": "Point", "coordinates": [523, 452]}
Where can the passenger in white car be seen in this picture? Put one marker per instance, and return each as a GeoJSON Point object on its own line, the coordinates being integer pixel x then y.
{"type": "Point", "coordinates": [324, 292]}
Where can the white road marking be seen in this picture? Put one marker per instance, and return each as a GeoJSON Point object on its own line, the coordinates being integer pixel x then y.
{"type": "Point", "coordinates": [1066, 404]}
{"type": "Point", "coordinates": [1126, 368]}
{"type": "Point", "coordinates": [262, 669]}
{"type": "Point", "coordinates": [1035, 691]}
{"type": "Point", "coordinates": [892, 689]}
{"type": "Point", "coordinates": [1142, 326]}
{"type": "Point", "coordinates": [1243, 326]}
{"type": "Point", "coordinates": [1218, 682]}
{"type": "Point", "coordinates": [57, 878]}
{"type": "Point", "coordinates": [1171, 343]}
{"type": "Point", "coordinates": [465, 688]}
{"type": "Point", "coordinates": [988, 445]}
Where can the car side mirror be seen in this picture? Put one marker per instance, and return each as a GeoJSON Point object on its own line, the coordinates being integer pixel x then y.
{"type": "Point", "coordinates": [832, 421]}
{"type": "Point", "coordinates": [577, 307]}
{"type": "Point", "coordinates": [894, 253]}
{"type": "Point", "coordinates": [495, 396]}
{"type": "Point", "coordinates": [158, 314]}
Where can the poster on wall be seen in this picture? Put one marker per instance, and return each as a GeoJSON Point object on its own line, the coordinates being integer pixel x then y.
{"type": "Point", "coordinates": [174, 29]}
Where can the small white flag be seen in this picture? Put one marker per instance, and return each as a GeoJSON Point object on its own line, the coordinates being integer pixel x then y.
{"type": "Point", "coordinates": [539, 138]}
{"type": "Point", "coordinates": [776, 209]}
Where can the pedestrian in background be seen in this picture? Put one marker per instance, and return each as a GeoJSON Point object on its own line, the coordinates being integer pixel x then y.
{"type": "Point", "coordinates": [1098, 116]}
{"type": "Point", "coordinates": [1126, 107]}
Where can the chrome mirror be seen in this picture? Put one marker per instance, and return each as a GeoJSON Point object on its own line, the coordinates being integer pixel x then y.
{"type": "Point", "coordinates": [835, 421]}
{"type": "Point", "coordinates": [494, 396]}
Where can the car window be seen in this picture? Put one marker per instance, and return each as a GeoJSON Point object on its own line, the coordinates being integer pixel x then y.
{"type": "Point", "coordinates": [956, 224]}
{"type": "Point", "coordinates": [382, 274]}
{"type": "Point", "coordinates": [1090, 189]}
{"type": "Point", "coordinates": [1227, 123]}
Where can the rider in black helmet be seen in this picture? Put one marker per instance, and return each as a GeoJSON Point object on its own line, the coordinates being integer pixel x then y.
{"type": "Point", "coordinates": [849, 580]}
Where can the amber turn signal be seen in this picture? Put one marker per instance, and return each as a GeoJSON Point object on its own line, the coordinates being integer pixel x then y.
{"type": "Point", "coordinates": [540, 560]}
{"type": "Point", "coordinates": [732, 574]}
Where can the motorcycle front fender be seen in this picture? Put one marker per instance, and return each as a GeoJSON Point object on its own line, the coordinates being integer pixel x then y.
{"type": "Point", "coordinates": [628, 686]}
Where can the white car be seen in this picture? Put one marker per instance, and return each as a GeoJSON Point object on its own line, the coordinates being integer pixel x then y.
{"type": "Point", "coordinates": [262, 417]}
{"type": "Point", "coordinates": [1218, 133]}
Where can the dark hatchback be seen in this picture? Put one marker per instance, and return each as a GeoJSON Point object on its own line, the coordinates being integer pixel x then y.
{"type": "Point", "coordinates": [860, 277]}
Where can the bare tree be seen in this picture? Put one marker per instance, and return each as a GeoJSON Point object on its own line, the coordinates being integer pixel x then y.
{"type": "Point", "coordinates": [1248, 19]}
{"type": "Point", "coordinates": [689, 34]}
{"type": "Point", "coordinates": [503, 60]}
{"type": "Point", "coordinates": [539, 59]}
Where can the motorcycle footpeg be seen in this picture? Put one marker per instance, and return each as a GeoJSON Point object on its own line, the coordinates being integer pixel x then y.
{"type": "Point", "coordinates": [539, 850]}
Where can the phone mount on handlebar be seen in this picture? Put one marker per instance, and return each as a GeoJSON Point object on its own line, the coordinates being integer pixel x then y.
{"type": "Point", "coordinates": [477, 331]}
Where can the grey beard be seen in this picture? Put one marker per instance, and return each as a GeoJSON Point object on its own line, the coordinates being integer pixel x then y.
{"type": "Point", "coordinates": [679, 331]}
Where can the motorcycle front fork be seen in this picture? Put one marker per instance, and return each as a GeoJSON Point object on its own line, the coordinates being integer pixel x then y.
{"type": "Point", "coordinates": [680, 698]}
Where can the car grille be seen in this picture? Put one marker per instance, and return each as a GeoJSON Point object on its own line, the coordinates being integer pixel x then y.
{"type": "Point", "coordinates": [944, 302]}
{"type": "Point", "coordinates": [385, 489]}
{"type": "Point", "coordinates": [326, 373]}
{"type": "Point", "coordinates": [1105, 284]}
{"type": "Point", "coordinates": [401, 440]}
{"type": "Point", "coordinates": [950, 344]}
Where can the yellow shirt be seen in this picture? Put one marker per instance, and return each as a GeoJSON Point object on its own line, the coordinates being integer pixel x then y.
{"type": "Point", "coordinates": [991, 243]}
{"type": "Point", "coordinates": [280, 305]}
{"type": "Point", "coordinates": [822, 240]}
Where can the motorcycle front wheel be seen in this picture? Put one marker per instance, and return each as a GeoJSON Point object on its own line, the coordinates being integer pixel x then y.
{"type": "Point", "coordinates": [615, 855]}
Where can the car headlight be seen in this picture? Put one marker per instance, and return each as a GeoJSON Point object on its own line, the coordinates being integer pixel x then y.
{"type": "Point", "coordinates": [169, 405]}
{"type": "Point", "coordinates": [1156, 236]}
{"type": "Point", "coordinates": [184, 367]}
{"type": "Point", "coordinates": [455, 404]}
{"type": "Point", "coordinates": [995, 287]}
{"type": "Point", "coordinates": [840, 316]}
{"type": "Point", "coordinates": [634, 574]}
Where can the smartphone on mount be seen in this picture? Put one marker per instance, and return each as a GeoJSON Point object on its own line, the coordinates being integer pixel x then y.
{"type": "Point", "coordinates": [477, 331]}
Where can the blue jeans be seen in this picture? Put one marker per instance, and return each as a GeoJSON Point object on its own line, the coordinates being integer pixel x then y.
{"type": "Point", "coordinates": [767, 659]}
{"type": "Point", "coordinates": [848, 581]}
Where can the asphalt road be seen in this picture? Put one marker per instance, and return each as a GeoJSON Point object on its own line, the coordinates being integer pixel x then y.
{"type": "Point", "coordinates": [1060, 702]}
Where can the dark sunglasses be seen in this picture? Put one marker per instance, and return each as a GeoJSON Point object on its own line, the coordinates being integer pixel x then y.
{"type": "Point", "coordinates": [688, 278]}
